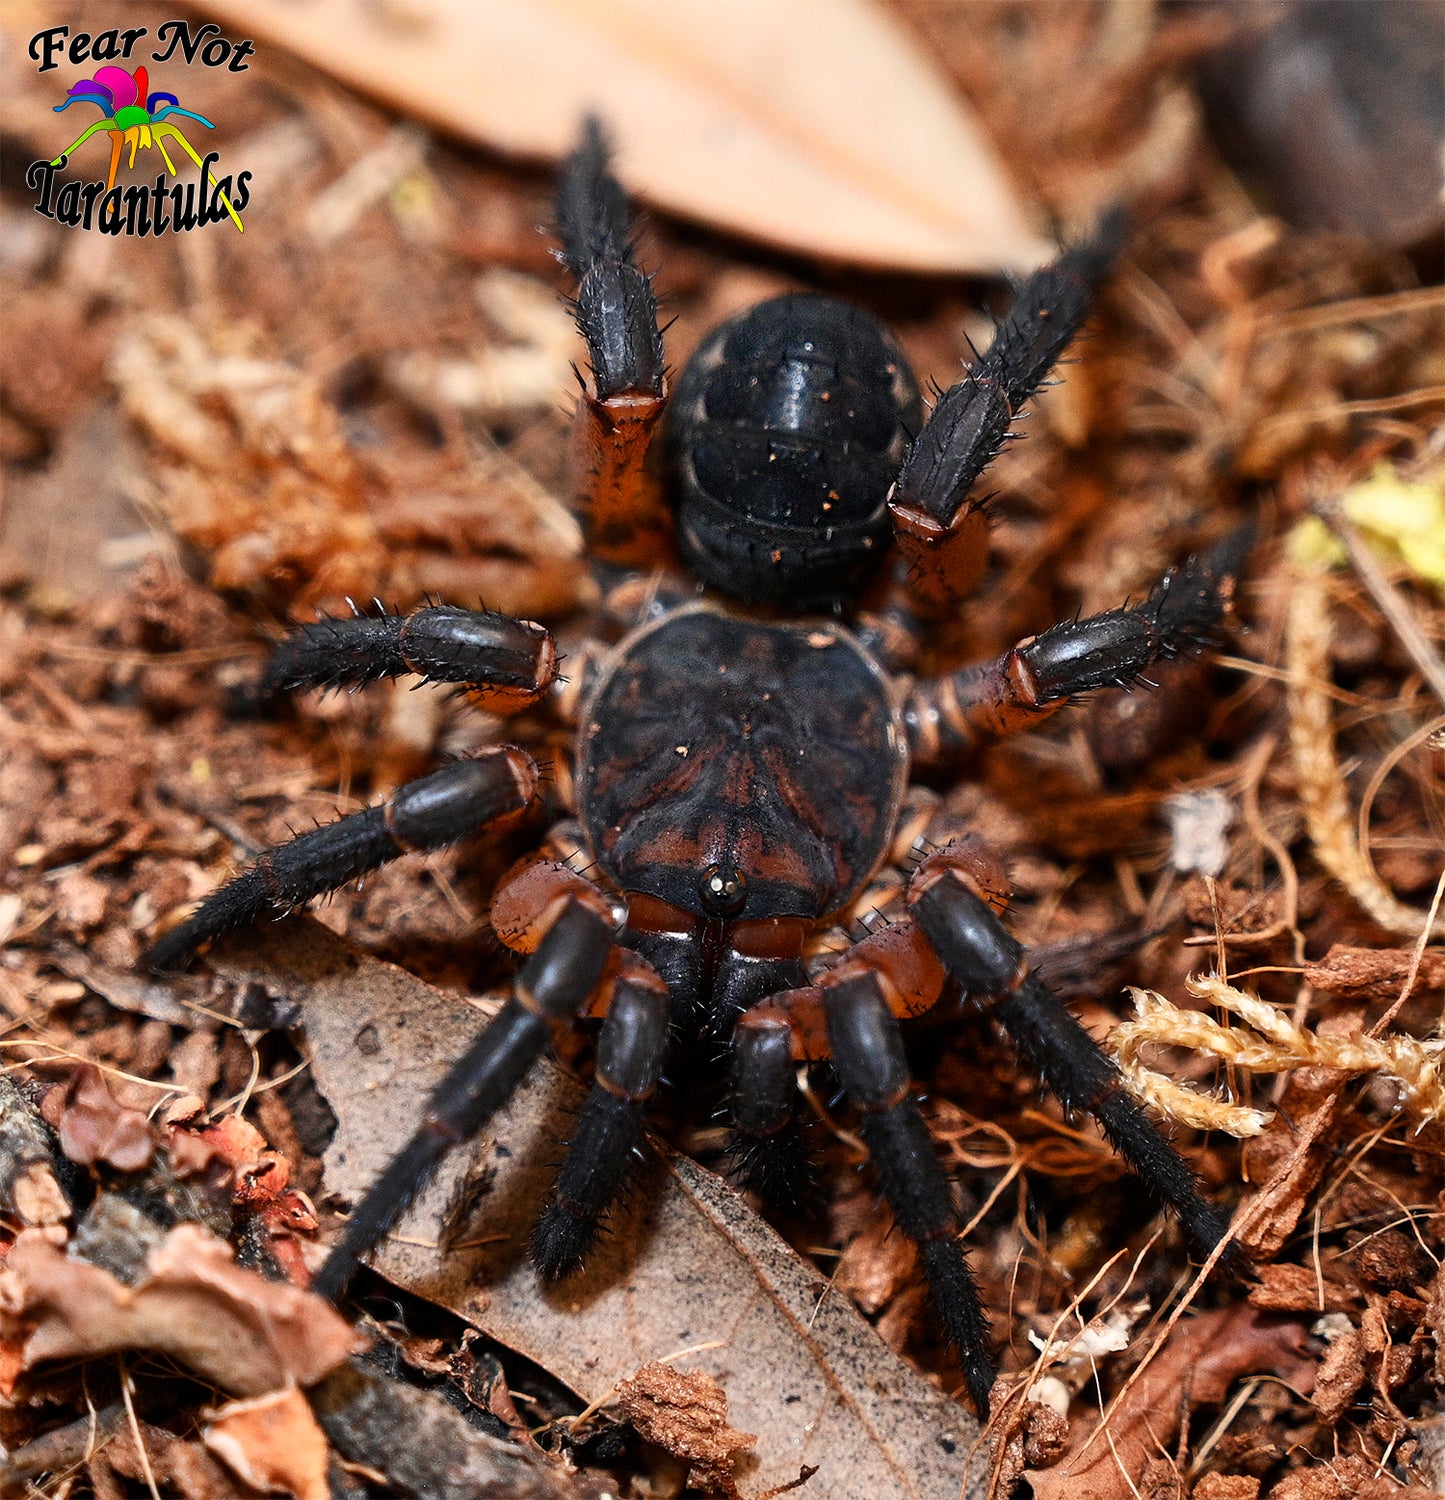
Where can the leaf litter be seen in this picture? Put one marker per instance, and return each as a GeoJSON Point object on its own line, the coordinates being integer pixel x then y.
{"type": "Point", "coordinates": [688, 1267]}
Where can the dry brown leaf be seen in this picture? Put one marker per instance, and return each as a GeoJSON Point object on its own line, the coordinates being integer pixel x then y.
{"type": "Point", "coordinates": [819, 126]}
{"type": "Point", "coordinates": [688, 1265]}
{"type": "Point", "coordinates": [93, 1127]}
{"type": "Point", "coordinates": [1203, 1357]}
{"type": "Point", "coordinates": [273, 1443]}
{"type": "Point", "coordinates": [245, 1334]}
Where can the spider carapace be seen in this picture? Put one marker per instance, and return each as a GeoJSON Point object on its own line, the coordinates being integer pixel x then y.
{"type": "Point", "coordinates": [743, 758]}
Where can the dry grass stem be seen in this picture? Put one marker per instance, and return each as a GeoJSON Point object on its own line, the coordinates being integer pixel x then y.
{"type": "Point", "coordinates": [1321, 782]}
{"type": "Point", "coordinates": [1266, 1043]}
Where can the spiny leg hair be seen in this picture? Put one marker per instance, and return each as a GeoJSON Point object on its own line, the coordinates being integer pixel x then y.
{"type": "Point", "coordinates": [971, 420]}
{"type": "Point", "coordinates": [615, 305]}
{"type": "Point", "coordinates": [988, 961]}
{"type": "Point", "coordinates": [767, 1149]}
{"type": "Point", "coordinates": [428, 813]}
{"type": "Point", "coordinates": [553, 985]}
{"type": "Point", "coordinates": [1184, 612]}
{"type": "Point", "coordinates": [600, 1155]}
{"type": "Point", "coordinates": [867, 1046]}
{"type": "Point", "coordinates": [439, 643]}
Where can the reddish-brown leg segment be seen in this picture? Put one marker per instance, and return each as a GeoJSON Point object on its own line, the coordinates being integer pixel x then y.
{"type": "Point", "coordinates": [620, 414]}
{"type": "Point", "coordinates": [939, 527]}
{"type": "Point", "coordinates": [947, 716]}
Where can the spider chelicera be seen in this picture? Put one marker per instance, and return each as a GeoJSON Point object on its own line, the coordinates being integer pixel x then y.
{"type": "Point", "coordinates": [742, 759]}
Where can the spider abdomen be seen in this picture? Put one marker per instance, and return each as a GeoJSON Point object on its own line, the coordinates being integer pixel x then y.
{"type": "Point", "coordinates": [785, 432]}
{"type": "Point", "coordinates": [738, 770]}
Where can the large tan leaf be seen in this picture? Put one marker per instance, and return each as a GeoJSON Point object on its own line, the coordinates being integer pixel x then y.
{"type": "Point", "coordinates": [689, 1264]}
{"type": "Point", "coordinates": [816, 125]}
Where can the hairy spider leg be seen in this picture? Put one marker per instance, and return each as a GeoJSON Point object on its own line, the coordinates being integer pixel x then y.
{"type": "Point", "coordinates": [570, 962]}
{"type": "Point", "coordinates": [867, 1046]}
{"type": "Point", "coordinates": [940, 528]}
{"type": "Point", "coordinates": [947, 716]}
{"type": "Point", "coordinates": [506, 664]}
{"type": "Point", "coordinates": [488, 792]}
{"type": "Point", "coordinates": [600, 1155]}
{"type": "Point", "coordinates": [628, 521]}
{"type": "Point", "coordinates": [981, 954]}
{"type": "Point", "coordinates": [852, 1016]}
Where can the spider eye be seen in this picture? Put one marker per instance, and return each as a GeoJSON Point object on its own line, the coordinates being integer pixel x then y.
{"type": "Point", "coordinates": [724, 891]}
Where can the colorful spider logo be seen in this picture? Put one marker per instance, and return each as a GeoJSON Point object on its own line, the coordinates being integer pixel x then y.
{"type": "Point", "coordinates": [128, 120]}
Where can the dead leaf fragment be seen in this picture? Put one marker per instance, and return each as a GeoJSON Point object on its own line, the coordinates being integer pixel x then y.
{"type": "Point", "coordinates": [820, 126]}
{"type": "Point", "coordinates": [686, 1412]}
{"type": "Point", "coordinates": [273, 1443]}
{"type": "Point", "coordinates": [1376, 974]}
{"type": "Point", "coordinates": [93, 1127]}
{"type": "Point", "coordinates": [1285, 1287]}
{"type": "Point", "coordinates": [1202, 1358]}
{"type": "Point", "coordinates": [245, 1334]}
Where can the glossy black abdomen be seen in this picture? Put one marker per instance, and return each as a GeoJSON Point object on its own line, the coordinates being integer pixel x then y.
{"type": "Point", "coordinates": [785, 432]}
{"type": "Point", "coordinates": [717, 754]}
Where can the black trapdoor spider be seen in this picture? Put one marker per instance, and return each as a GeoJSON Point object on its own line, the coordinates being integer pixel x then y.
{"type": "Point", "coordinates": [741, 766]}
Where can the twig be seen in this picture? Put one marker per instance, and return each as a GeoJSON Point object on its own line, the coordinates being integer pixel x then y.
{"type": "Point", "coordinates": [1320, 781]}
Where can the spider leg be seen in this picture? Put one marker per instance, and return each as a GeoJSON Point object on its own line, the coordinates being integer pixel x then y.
{"type": "Point", "coordinates": [429, 813]}
{"type": "Point", "coordinates": [940, 529]}
{"type": "Point", "coordinates": [768, 1149]}
{"type": "Point", "coordinates": [989, 962]}
{"type": "Point", "coordinates": [617, 418]}
{"type": "Point", "coordinates": [553, 985]}
{"type": "Point", "coordinates": [867, 1047]}
{"type": "Point", "coordinates": [507, 663]}
{"type": "Point", "coordinates": [948, 716]}
{"type": "Point", "coordinates": [630, 1051]}
{"type": "Point", "coordinates": [852, 1014]}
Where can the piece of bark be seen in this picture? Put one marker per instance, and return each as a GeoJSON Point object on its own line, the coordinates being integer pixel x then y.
{"type": "Point", "coordinates": [1376, 973]}
{"type": "Point", "coordinates": [29, 1184]}
{"type": "Point", "coordinates": [427, 1450]}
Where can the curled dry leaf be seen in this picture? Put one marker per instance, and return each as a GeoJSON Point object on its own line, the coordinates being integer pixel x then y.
{"type": "Point", "coordinates": [687, 1264]}
{"type": "Point", "coordinates": [820, 127]}
{"type": "Point", "coordinates": [243, 1333]}
{"type": "Point", "coordinates": [93, 1126]}
{"type": "Point", "coordinates": [272, 1442]}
